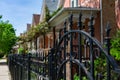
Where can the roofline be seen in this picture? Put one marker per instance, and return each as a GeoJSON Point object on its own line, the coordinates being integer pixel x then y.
{"type": "Point", "coordinates": [65, 12]}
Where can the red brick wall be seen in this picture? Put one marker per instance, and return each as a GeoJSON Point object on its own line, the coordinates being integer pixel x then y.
{"type": "Point", "coordinates": [109, 14]}
{"type": "Point", "coordinates": [90, 3]}
{"type": "Point", "coordinates": [97, 27]}
{"type": "Point", "coordinates": [117, 10]}
{"type": "Point", "coordinates": [67, 3]}
{"type": "Point", "coordinates": [84, 3]}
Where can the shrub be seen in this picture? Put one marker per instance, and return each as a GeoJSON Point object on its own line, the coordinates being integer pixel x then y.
{"type": "Point", "coordinates": [115, 46]}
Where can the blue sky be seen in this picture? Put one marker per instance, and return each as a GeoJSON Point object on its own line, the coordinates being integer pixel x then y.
{"type": "Point", "coordinates": [19, 12]}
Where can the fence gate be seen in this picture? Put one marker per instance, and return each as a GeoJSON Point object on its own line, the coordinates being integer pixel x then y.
{"type": "Point", "coordinates": [79, 56]}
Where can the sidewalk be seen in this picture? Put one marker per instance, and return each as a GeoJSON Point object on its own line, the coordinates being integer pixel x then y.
{"type": "Point", "coordinates": [4, 72]}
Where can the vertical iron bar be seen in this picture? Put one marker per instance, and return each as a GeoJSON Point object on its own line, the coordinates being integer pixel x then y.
{"type": "Point", "coordinates": [71, 46]}
{"type": "Point", "coordinates": [43, 63]}
{"type": "Point", "coordinates": [44, 41]}
{"type": "Point", "coordinates": [29, 74]}
{"type": "Point", "coordinates": [53, 65]}
{"type": "Point", "coordinates": [107, 39]}
{"type": "Point", "coordinates": [91, 47]}
{"type": "Point", "coordinates": [13, 68]}
{"type": "Point", "coordinates": [60, 33]}
{"type": "Point", "coordinates": [20, 72]}
{"type": "Point", "coordinates": [36, 41]}
{"type": "Point", "coordinates": [50, 65]}
{"type": "Point", "coordinates": [15, 72]}
{"type": "Point", "coordinates": [79, 45]}
{"type": "Point", "coordinates": [64, 51]}
{"type": "Point", "coordinates": [54, 37]}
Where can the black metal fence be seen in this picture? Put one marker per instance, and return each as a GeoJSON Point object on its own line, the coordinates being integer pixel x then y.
{"type": "Point", "coordinates": [28, 66]}
{"type": "Point", "coordinates": [76, 56]}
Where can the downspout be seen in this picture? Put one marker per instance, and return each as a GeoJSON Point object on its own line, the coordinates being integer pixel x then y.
{"type": "Point", "coordinates": [101, 21]}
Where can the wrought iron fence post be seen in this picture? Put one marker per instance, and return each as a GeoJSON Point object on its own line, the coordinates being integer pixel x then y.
{"type": "Point", "coordinates": [28, 66]}
{"type": "Point", "coordinates": [21, 68]}
{"type": "Point", "coordinates": [107, 40]}
{"type": "Point", "coordinates": [79, 44]}
{"type": "Point", "coordinates": [12, 66]}
{"type": "Point", "coordinates": [71, 44]}
{"type": "Point", "coordinates": [60, 31]}
{"type": "Point", "coordinates": [91, 29]}
{"type": "Point", "coordinates": [15, 67]}
{"type": "Point", "coordinates": [51, 65]}
{"type": "Point", "coordinates": [20, 72]}
{"type": "Point", "coordinates": [65, 51]}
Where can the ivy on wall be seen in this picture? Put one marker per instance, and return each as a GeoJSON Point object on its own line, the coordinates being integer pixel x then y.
{"type": "Point", "coordinates": [42, 28]}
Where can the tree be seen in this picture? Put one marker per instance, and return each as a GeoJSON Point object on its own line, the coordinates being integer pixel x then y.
{"type": "Point", "coordinates": [7, 36]}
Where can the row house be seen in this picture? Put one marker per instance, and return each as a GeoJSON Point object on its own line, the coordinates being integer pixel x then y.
{"type": "Point", "coordinates": [40, 42]}
{"type": "Point", "coordinates": [102, 10]}
{"type": "Point", "coordinates": [32, 44]}
{"type": "Point", "coordinates": [96, 8]}
{"type": "Point", "coordinates": [46, 42]}
{"type": "Point", "coordinates": [117, 11]}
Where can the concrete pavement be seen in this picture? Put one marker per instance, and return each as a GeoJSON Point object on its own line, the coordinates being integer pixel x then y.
{"type": "Point", "coordinates": [4, 72]}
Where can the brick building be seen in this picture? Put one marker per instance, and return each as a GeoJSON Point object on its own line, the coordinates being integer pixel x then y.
{"type": "Point", "coordinates": [97, 8]}
{"type": "Point", "coordinates": [103, 11]}
{"type": "Point", "coordinates": [117, 10]}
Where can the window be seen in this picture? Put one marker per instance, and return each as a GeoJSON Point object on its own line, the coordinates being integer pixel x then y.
{"type": "Point", "coordinates": [74, 3]}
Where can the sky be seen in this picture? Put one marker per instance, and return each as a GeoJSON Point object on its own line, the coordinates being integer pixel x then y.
{"type": "Point", "coordinates": [19, 12]}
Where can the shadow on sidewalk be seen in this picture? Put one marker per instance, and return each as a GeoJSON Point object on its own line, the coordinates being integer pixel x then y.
{"type": "Point", "coordinates": [3, 63]}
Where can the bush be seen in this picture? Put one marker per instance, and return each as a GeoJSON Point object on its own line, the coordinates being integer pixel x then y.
{"type": "Point", "coordinates": [20, 50]}
{"type": "Point", "coordinates": [115, 46]}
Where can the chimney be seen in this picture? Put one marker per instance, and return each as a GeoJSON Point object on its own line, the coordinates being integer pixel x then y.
{"type": "Point", "coordinates": [28, 26]}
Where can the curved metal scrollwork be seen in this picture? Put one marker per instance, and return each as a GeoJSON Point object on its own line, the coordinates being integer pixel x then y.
{"type": "Point", "coordinates": [75, 56]}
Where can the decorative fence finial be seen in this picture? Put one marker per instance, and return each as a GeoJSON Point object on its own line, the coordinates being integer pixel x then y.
{"type": "Point", "coordinates": [108, 29]}
{"type": "Point", "coordinates": [71, 21]}
{"type": "Point", "coordinates": [91, 28]}
{"type": "Point", "coordinates": [80, 21]}
{"type": "Point", "coordinates": [65, 23]}
{"type": "Point", "coordinates": [107, 42]}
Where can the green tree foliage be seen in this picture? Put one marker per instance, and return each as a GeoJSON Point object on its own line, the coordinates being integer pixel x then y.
{"type": "Point", "coordinates": [56, 11]}
{"type": "Point", "coordinates": [115, 46]}
{"type": "Point", "coordinates": [7, 36]}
